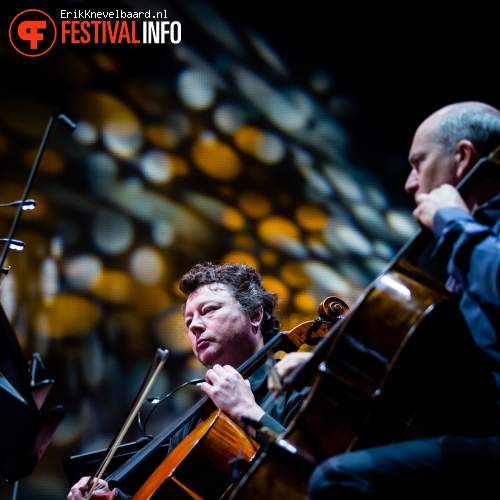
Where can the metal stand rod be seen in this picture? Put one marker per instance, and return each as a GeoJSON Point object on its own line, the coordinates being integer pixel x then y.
{"type": "Point", "coordinates": [55, 114]}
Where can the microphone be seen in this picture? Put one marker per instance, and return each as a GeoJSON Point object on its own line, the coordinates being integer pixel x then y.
{"type": "Point", "coordinates": [14, 244]}
{"type": "Point", "coordinates": [69, 124]}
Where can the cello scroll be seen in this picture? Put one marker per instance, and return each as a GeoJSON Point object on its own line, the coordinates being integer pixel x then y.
{"type": "Point", "coordinates": [332, 309]}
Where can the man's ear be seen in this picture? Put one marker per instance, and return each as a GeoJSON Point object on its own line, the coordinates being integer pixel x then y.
{"type": "Point", "coordinates": [467, 157]}
{"type": "Point", "coordinates": [257, 316]}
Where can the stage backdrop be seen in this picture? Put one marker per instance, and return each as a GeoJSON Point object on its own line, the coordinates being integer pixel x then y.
{"type": "Point", "coordinates": [205, 143]}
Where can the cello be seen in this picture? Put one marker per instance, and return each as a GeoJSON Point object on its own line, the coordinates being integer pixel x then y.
{"type": "Point", "coordinates": [402, 365]}
{"type": "Point", "coordinates": [216, 444]}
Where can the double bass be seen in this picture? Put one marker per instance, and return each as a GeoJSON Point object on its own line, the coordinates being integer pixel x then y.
{"type": "Point", "coordinates": [401, 365]}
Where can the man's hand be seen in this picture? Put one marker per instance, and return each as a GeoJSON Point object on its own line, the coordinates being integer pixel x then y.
{"type": "Point", "coordinates": [231, 393]}
{"type": "Point", "coordinates": [287, 365]}
{"type": "Point", "coordinates": [429, 203]}
{"type": "Point", "coordinates": [101, 492]}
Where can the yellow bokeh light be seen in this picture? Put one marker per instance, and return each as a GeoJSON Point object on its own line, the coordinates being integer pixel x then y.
{"type": "Point", "coordinates": [176, 290]}
{"type": "Point", "coordinates": [180, 167]}
{"type": "Point", "coordinates": [114, 286]}
{"type": "Point", "coordinates": [241, 257]}
{"type": "Point", "coordinates": [311, 218]}
{"type": "Point", "coordinates": [272, 228]}
{"type": "Point", "coordinates": [51, 161]}
{"type": "Point", "coordinates": [254, 204]}
{"type": "Point", "coordinates": [246, 138]}
{"type": "Point", "coordinates": [269, 257]}
{"type": "Point", "coordinates": [275, 285]}
{"type": "Point", "coordinates": [232, 219]}
{"type": "Point", "coordinates": [216, 159]}
{"type": "Point", "coordinates": [122, 137]}
{"type": "Point", "coordinates": [66, 315]}
{"type": "Point", "coordinates": [100, 108]}
{"type": "Point", "coordinates": [161, 136]}
{"type": "Point", "coordinates": [304, 301]}
{"type": "Point", "coordinates": [149, 299]}
{"type": "Point", "coordinates": [106, 62]}
{"type": "Point", "coordinates": [172, 333]}
{"type": "Point", "coordinates": [244, 241]}
{"type": "Point", "coordinates": [293, 273]}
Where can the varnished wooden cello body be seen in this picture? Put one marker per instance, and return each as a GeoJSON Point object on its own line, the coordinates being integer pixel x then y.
{"type": "Point", "coordinates": [401, 365]}
{"type": "Point", "coordinates": [200, 466]}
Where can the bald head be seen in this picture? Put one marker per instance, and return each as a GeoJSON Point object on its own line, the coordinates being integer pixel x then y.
{"type": "Point", "coordinates": [449, 142]}
{"type": "Point", "coordinates": [467, 105]}
{"type": "Point", "coordinates": [474, 121]}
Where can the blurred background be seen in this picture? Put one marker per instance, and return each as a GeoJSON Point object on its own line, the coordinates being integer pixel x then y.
{"type": "Point", "coordinates": [272, 135]}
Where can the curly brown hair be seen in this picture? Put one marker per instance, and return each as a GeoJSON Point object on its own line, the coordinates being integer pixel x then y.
{"type": "Point", "coordinates": [245, 284]}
